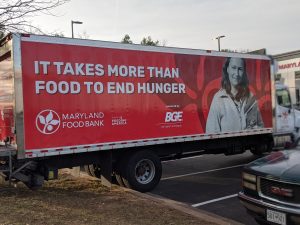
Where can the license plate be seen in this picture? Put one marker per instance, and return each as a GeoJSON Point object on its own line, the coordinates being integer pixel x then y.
{"type": "Point", "coordinates": [276, 217]}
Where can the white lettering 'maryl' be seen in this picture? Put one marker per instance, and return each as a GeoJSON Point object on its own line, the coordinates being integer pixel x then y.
{"type": "Point", "coordinates": [289, 65]}
{"type": "Point", "coordinates": [81, 116]}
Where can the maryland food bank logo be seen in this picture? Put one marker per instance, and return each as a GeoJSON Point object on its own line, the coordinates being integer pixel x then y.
{"type": "Point", "coordinates": [47, 121]}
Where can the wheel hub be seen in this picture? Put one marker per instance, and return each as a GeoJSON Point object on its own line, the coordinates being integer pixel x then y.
{"type": "Point", "coordinates": [145, 171]}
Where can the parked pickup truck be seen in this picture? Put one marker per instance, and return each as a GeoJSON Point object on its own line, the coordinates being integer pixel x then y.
{"type": "Point", "coordinates": [271, 188]}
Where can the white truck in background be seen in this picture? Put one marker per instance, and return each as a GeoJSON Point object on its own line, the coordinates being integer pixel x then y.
{"type": "Point", "coordinates": [287, 118]}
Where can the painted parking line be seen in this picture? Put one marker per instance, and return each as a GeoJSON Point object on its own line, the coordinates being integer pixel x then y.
{"type": "Point", "coordinates": [214, 200]}
{"type": "Point", "coordinates": [201, 172]}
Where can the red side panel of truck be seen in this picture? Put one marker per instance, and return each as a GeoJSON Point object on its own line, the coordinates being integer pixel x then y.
{"type": "Point", "coordinates": [81, 95]}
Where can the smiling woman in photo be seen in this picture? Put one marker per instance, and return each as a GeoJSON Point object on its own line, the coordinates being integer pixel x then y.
{"type": "Point", "coordinates": [233, 107]}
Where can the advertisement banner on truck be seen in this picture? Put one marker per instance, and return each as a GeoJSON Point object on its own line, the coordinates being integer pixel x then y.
{"type": "Point", "coordinates": [78, 95]}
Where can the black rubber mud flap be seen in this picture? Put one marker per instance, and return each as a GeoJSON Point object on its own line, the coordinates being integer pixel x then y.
{"type": "Point", "coordinates": [120, 170]}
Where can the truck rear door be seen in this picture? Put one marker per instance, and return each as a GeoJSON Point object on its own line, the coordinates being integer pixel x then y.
{"type": "Point", "coordinates": [6, 94]}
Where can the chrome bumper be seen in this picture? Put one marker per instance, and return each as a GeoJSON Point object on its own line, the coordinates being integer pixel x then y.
{"type": "Point", "coordinates": [258, 207]}
{"type": "Point", "coordinates": [262, 204]}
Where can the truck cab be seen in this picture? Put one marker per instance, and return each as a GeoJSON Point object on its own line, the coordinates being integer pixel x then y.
{"type": "Point", "coordinates": [287, 118]}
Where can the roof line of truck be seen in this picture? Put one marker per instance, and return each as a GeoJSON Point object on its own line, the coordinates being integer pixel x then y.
{"type": "Point", "coordinates": [117, 45]}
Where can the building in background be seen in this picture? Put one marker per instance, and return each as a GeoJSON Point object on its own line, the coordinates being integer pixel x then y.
{"type": "Point", "coordinates": [289, 73]}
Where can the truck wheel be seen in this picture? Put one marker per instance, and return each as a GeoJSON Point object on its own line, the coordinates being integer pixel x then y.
{"type": "Point", "coordinates": [142, 171]}
{"type": "Point", "coordinates": [256, 151]}
{"type": "Point", "coordinates": [93, 170]}
{"type": "Point", "coordinates": [36, 182]}
{"type": "Point", "coordinates": [260, 149]}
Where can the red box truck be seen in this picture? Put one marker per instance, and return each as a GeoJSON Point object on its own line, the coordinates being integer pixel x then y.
{"type": "Point", "coordinates": [122, 108]}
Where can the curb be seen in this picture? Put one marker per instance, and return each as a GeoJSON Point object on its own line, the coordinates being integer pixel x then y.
{"type": "Point", "coordinates": [198, 213]}
{"type": "Point", "coordinates": [182, 207]}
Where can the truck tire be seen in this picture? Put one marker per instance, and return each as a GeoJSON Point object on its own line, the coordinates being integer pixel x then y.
{"type": "Point", "coordinates": [256, 151]}
{"type": "Point", "coordinates": [36, 182]}
{"type": "Point", "coordinates": [142, 171]}
{"type": "Point", "coordinates": [263, 147]}
{"type": "Point", "coordinates": [93, 170]}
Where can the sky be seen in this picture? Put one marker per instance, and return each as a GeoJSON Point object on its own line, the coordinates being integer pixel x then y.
{"type": "Point", "coordinates": [246, 24]}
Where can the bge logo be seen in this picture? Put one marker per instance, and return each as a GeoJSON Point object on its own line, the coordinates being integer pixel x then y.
{"type": "Point", "coordinates": [173, 117]}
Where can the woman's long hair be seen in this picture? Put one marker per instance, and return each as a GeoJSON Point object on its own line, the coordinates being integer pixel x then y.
{"type": "Point", "coordinates": [243, 89]}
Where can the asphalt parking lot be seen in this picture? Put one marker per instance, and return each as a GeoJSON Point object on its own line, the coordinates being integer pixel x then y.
{"type": "Point", "coordinates": [207, 182]}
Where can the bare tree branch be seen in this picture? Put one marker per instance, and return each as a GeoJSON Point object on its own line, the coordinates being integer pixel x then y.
{"type": "Point", "coordinates": [15, 14]}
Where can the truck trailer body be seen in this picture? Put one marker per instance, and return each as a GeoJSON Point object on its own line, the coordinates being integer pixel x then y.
{"type": "Point", "coordinates": [124, 108]}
